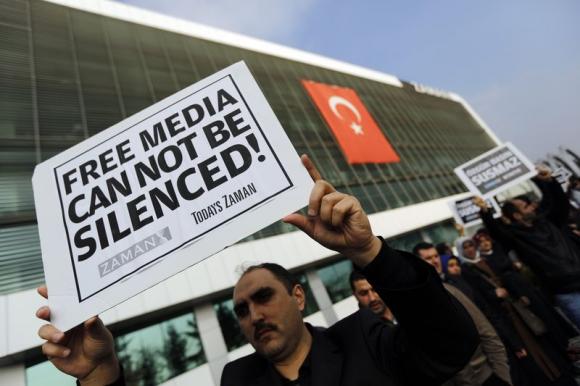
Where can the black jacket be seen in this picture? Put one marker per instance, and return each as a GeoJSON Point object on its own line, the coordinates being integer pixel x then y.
{"type": "Point", "coordinates": [434, 339]}
{"type": "Point", "coordinates": [547, 247]}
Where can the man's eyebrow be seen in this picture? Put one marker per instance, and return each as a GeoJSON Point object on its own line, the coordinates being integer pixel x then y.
{"type": "Point", "coordinates": [260, 292]}
{"type": "Point", "coordinates": [257, 294]}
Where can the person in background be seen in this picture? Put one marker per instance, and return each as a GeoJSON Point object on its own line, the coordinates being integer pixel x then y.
{"type": "Point", "coordinates": [489, 364]}
{"type": "Point", "coordinates": [540, 361]}
{"type": "Point", "coordinates": [444, 249]}
{"type": "Point", "coordinates": [498, 260]}
{"type": "Point", "coordinates": [441, 262]}
{"type": "Point", "coordinates": [367, 297]}
{"type": "Point", "coordinates": [542, 240]}
{"type": "Point", "coordinates": [573, 193]}
{"type": "Point", "coordinates": [452, 267]}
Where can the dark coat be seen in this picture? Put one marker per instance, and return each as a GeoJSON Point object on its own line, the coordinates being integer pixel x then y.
{"type": "Point", "coordinates": [548, 247]}
{"type": "Point", "coordinates": [434, 339]}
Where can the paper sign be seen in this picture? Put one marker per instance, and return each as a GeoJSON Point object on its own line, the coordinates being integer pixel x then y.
{"type": "Point", "coordinates": [495, 170]}
{"type": "Point", "coordinates": [161, 191]}
{"type": "Point", "coordinates": [466, 213]}
{"type": "Point", "coordinates": [562, 175]}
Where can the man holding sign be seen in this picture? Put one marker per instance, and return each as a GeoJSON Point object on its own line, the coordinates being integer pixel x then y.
{"type": "Point", "coordinates": [358, 350]}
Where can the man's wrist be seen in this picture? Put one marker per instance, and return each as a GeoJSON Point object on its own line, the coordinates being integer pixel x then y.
{"type": "Point", "coordinates": [364, 255]}
{"type": "Point", "coordinates": [105, 373]}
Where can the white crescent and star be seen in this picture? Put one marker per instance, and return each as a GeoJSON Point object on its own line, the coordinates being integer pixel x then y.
{"type": "Point", "coordinates": [335, 100]}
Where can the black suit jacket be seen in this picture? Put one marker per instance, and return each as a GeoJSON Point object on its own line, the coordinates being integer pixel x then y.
{"type": "Point", "coordinates": [434, 339]}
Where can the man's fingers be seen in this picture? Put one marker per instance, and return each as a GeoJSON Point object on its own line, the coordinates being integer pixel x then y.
{"type": "Point", "coordinates": [43, 313]}
{"type": "Point", "coordinates": [96, 328]}
{"type": "Point", "coordinates": [327, 204]}
{"type": "Point", "coordinates": [299, 221]}
{"type": "Point", "coordinates": [50, 333]}
{"type": "Point", "coordinates": [55, 350]}
{"type": "Point", "coordinates": [42, 291]}
{"type": "Point", "coordinates": [341, 209]}
{"type": "Point", "coordinates": [312, 170]}
{"type": "Point", "coordinates": [321, 189]}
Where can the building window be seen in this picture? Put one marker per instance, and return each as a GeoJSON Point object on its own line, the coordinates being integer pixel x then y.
{"type": "Point", "coordinates": [443, 232]}
{"type": "Point", "coordinates": [228, 321]}
{"type": "Point", "coordinates": [44, 373]}
{"type": "Point", "coordinates": [231, 331]}
{"type": "Point", "coordinates": [156, 353]}
{"type": "Point", "coordinates": [335, 279]}
{"type": "Point", "coordinates": [405, 242]}
{"type": "Point", "coordinates": [149, 355]}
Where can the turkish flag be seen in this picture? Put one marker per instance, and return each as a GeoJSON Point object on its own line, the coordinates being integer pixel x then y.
{"type": "Point", "coordinates": [357, 133]}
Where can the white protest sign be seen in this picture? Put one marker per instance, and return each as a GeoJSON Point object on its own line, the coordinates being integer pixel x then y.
{"type": "Point", "coordinates": [161, 191]}
{"type": "Point", "coordinates": [495, 170]}
{"type": "Point", "coordinates": [466, 213]}
{"type": "Point", "coordinates": [562, 175]}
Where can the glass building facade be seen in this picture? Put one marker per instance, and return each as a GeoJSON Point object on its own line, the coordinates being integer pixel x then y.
{"type": "Point", "coordinates": [67, 74]}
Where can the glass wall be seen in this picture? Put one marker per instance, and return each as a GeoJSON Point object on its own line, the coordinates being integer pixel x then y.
{"type": "Point", "coordinates": [154, 354]}
{"type": "Point", "coordinates": [149, 355]}
{"type": "Point", "coordinates": [335, 278]}
{"type": "Point", "coordinates": [44, 373]}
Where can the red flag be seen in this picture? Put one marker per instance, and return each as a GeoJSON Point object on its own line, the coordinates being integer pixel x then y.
{"type": "Point", "coordinates": [357, 133]}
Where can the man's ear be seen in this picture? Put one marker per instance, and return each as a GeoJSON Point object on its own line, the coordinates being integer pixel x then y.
{"type": "Point", "coordinates": [300, 296]}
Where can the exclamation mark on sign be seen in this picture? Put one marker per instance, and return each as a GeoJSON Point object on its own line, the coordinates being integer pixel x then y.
{"type": "Point", "coordinates": [254, 144]}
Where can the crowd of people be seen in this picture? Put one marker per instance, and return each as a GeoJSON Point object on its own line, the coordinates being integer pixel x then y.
{"type": "Point", "coordinates": [498, 310]}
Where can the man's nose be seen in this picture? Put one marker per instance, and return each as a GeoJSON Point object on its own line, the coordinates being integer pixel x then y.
{"type": "Point", "coordinates": [256, 313]}
{"type": "Point", "coordinates": [373, 296]}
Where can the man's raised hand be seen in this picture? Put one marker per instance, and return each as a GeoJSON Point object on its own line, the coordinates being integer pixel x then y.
{"type": "Point", "coordinates": [336, 220]}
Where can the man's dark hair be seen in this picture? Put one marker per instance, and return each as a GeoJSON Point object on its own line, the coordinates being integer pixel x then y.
{"type": "Point", "coordinates": [421, 245]}
{"type": "Point", "coordinates": [524, 197]}
{"type": "Point", "coordinates": [355, 275]}
{"type": "Point", "coordinates": [281, 273]}
{"type": "Point", "coordinates": [508, 209]}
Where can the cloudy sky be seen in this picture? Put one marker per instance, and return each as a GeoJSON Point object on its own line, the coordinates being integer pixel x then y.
{"type": "Point", "coordinates": [517, 62]}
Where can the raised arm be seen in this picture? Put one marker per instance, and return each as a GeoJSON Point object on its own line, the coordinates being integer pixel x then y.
{"type": "Point", "coordinates": [496, 229]}
{"type": "Point", "coordinates": [410, 287]}
{"type": "Point", "coordinates": [555, 204]}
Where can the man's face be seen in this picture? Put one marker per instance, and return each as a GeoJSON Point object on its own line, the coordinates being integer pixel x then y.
{"type": "Point", "coordinates": [270, 318]}
{"type": "Point", "coordinates": [368, 298]}
{"type": "Point", "coordinates": [469, 249]}
{"type": "Point", "coordinates": [485, 244]}
{"type": "Point", "coordinates": [431, 256]}
{"type": "Point", "coordinates": [526, 211]}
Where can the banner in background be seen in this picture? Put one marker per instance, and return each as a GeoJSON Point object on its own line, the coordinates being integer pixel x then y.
{"type": "Point", "coordinates": [466, 213]}
{"type": "Point", "coordinates": [358, 135]}
{"type": "Point", "coordinates": [495, 170]}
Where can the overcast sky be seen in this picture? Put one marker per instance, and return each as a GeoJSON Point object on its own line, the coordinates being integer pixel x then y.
{"type": "Point", "coordinates": [516, 62]}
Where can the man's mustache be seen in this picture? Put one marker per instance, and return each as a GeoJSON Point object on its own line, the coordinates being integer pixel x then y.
{"type": "Point", "coordinates": [375, 303]}
{"type": "Point", "coordinates": [260, 326]}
